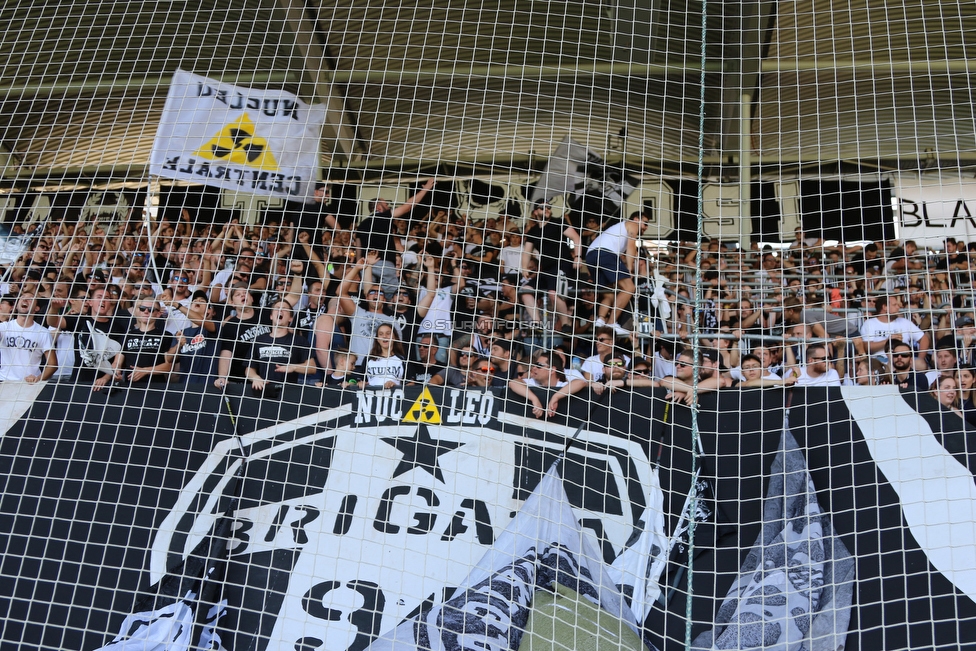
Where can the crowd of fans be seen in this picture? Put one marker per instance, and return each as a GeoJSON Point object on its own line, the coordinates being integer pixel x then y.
{"type": "Point", "coordinates": [542, 306]}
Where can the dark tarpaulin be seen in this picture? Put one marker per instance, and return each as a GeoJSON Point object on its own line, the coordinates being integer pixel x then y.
{"type": "Point", "coordinates": [740, 434]}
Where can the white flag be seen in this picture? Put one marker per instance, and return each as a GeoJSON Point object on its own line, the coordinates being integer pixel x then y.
{"type": "Point", "coordinates": [542, 547]}
{"type": "Point", "coordinates": [257, 141]}
{"type": "Point", "coordinates": [565, 172]}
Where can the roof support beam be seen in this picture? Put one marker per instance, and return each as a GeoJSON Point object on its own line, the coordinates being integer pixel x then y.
{"type": "Point", "coordinates": [339, 133]}
{"type": "Point", "coordinates": [433, 73]}
{"type": "Point", "coordinates": [137, 84]}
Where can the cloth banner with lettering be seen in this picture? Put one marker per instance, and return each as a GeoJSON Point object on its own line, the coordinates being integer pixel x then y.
{"type": "Point", "coordinates": [241, 139]}
{"type": "Point", "coordinates": [573, 169]}
{"type": "Point", "coordinates": [542, 547]}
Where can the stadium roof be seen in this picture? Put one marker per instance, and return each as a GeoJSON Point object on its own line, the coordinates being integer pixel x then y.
{"type": "Point", "coordinates": [458, 86]}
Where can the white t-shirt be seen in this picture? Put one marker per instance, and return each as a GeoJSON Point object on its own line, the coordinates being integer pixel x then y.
{"type": "Point", "coordinates": [874, 329]}
{"type": "Point", "coordinates": [572, 374]}
{"type": "Point", "coordinates": [662, 367]}
{"type": "Point", "coordinates": [828, 379]}
{"type": "Point", "coordinates": [362, 329]}
{"type": "Point", "coordinates": [380, 370]}
{"type": "Point", "coordinates": [613, 239]}
{"type": "Point", "coordinates": [22, 350]}
{"type": "Point", "coordinates": [65, 346]}
{"type": "Point", "coordinates": [511, 258]}
{"type": "Point", "coordinates": [736, 374]}
{"type": "Point", "coordinates": [532, 383]}
{"type": "Point", "coordinates": [594, 366]}
{"type": "Point", "coordinates": [438, 319]}
{"type": "Point", "coordinates": [176, 320]}
{"type": "Point", "coordinates": [220, 279]}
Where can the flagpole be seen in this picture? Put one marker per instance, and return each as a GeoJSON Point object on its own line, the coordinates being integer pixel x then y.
{"type": "Point", "coordinates": [572, 439]}
{"type": "Point", "coordinates": [147, 223]}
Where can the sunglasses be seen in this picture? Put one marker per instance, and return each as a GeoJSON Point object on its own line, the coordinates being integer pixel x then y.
{"type": "Point", "coordinates": [486, 369]}
{"type": "Point", "coordinates": [902, 355]}
{"type": "Point", "coordinates": [614, 364]}
{"type": "Point", "coordinates": [464, 353]}
{"type": "Point", "coordinates": [181, 279]}
{"type": "Point", "coordinates": [144, 309]}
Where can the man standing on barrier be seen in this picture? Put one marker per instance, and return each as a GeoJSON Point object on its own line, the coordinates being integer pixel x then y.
{"type": "Point", "coordinates": [612, 259]}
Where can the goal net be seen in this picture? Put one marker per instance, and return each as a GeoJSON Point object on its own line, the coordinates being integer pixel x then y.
{"type": "Point", "coordinates": [548, 325]}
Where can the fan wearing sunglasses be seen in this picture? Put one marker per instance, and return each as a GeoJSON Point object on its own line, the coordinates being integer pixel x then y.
{"type": "Point", "coordinates": [902, 360]}
{"type": "Point", "coordinates": [146, 344]}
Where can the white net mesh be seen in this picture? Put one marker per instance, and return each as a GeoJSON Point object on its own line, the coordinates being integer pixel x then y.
{"type": "Point", "coordinates": [301, 304]}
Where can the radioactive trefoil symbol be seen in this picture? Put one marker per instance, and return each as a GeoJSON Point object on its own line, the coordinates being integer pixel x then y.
{"type": "Point", "coordinates": [237, 144]}
{"type": "Point", "coordinates": [423, 410]}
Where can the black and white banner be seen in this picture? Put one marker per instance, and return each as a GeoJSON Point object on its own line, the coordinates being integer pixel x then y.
{"type": "Point", "coordinates": [895, 473]}
{"type": "Point", "coordinates": [240, 139]}
{"type": "Point", "coordinates": [574, 170]}
{"type": "Point", "coordinates": [360, 511]}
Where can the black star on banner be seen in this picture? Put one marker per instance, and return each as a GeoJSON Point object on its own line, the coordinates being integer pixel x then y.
{"type": "Point", "coordinates": [421, 451]}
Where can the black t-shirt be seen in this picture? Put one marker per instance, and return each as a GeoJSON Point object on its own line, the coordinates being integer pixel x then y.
{"type": "Point", "coordinates": [305, 320]}
{"type": "Point", "coordinates": [466, 310]}
{"type": "Point", "coordinates": [198, 355]}
{"type": "Point", "coordinates": [354, 378]}
{"type": "Point", "coordinates": [376, 234]}
{"type": "Point", "coordinates": [305, 326]}
{"type": "Point", "coordinates": [267, 352]}
{"type": "Point", "coordinates": [421, 373]}
{"type": "Point", "coordinates": [96, 343]}
{"type": "Point", "coordinates": [915, 382]}
{"type": "Point", "coordinates": [238, 336]}
{"type": "Point", "coordinates": [146, 349]}
{"type": "Point", "coordinates": [407, 324]}
{"type": "Point", "coordinates": [550, 243]}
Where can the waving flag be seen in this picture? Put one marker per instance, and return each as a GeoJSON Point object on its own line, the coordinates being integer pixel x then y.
{"type": "Point", "coordinates": [542, 548]}
{"type": "Point", "coordinates": [257, 141]}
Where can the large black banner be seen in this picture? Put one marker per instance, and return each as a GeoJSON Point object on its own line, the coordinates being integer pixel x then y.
{"type": "Point", "coordinates": [357, 510]}
{"type": "Point", "coordinates": [352, 503]}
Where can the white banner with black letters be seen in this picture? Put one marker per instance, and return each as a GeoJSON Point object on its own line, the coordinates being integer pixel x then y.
{"type": "Point", "coordinates": [934, 208]}
{"type": "Point", "coordinates": [241, 139]}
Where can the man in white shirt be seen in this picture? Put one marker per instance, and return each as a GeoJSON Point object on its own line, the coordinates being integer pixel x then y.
{"type": "Point", "coordinates": [770, 367]}
{"type": "Point", "coordinates": [612, 258]}
{"type": "Point", "coordinates": [877, 331]}
{"type": "Point", "coordinates": [547, 373]}
{"type": "Point", "coordinates": [816, 372]}
{"type": "Point", "coordinates": [25, 345]}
